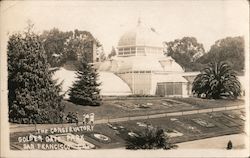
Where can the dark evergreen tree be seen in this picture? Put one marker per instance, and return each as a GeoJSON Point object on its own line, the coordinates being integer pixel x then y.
{"type": "Point", "coordinates": [85, 90]}
{"type": "Point", "coordinates": [33, 95]}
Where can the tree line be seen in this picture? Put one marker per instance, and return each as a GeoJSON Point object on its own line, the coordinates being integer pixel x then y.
{"type": "Point", "coordinates": [190, 54]}
{"type": "Point", "coordinates": [62, 46]}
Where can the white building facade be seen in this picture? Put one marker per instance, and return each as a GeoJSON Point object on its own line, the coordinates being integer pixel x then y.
{"type": "Point", "coordinates": [142, 65]}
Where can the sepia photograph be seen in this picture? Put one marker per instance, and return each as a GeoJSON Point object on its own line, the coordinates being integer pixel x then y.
{"type": "Point", "coordinates": [124, 78]}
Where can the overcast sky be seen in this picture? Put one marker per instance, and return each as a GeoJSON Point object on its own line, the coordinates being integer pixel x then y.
{"type": "Point", "coordinates": [208, 20]}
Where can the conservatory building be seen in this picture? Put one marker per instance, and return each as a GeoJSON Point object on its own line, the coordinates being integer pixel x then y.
{"type": "Point", "coordinates": [142, 65]}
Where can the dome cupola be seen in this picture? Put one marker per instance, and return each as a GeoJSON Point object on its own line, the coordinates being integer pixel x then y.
{"type": "Point", "coordinates": [140, 41]}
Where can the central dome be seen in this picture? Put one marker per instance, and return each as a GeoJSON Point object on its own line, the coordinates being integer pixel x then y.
{"type": "Point", "coordinates": [141, 40]}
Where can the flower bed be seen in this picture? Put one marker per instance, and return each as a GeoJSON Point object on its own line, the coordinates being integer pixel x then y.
{"type": "Point", "coordinates": [100, 138]}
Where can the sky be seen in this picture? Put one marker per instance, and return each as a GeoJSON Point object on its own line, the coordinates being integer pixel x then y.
{"type": "Point", "coordinates": [207, 20]}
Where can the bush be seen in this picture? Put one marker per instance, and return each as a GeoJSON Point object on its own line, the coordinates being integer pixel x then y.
{"type": "Point", "coordinates": [149, 139]}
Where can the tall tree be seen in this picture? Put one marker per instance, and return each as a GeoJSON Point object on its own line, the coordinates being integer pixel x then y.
{"type": "Point", "coordinates": [33, 95]}
{"type": "Point", "coordinates": [230, 50]}
{"type": "Point", "coordinates": [102, 56]}
{"type": "Point", "coordinates": [61, 47]}
{"type": "Point", "coordinates": [84, 90]}
{"type": "Point", "coordinates": [185, 52]}
{"type": "Point", "coordinates": [100, 51]}
{"type": "Point", "coordinates": [81, 44]}
{"type": "Point", "coordinates": [54, 42]}
{"type": "Point", "coordinates": [112, 53]}
{"type": "Point", "coordinates": [217, 80]}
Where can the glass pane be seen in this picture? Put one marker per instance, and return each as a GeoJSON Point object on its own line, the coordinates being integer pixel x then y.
{"type": "Point", "coordinates": [178, 88]}
{"type": "Point", "coordinates": [170, 88]}
{"type": "Point", "coordinates": [160, 90]}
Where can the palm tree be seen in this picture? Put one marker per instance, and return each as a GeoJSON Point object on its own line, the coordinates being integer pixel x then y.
{"type": "Point", "coordinates": [215, 81]}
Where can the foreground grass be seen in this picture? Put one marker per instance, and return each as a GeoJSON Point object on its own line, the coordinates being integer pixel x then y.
{"type": "Point", "coordinates": [181, 124]}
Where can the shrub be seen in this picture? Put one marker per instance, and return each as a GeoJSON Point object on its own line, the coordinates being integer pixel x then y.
{"type": "Point", "coordinates": [149, 139]}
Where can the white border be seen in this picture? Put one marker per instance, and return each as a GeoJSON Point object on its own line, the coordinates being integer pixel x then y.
{"type": "Point", "coordinates": [6, 152]}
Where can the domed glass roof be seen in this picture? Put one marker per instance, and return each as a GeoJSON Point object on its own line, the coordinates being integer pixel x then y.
{"type": "Point", "coordinates": [141, 35]}
{"type": "Point", "coordinates": [141, 63]}
{"type": "Point", "coordinates": [140, 49]}
{"type": "Point", "coordinates": [116, 87]}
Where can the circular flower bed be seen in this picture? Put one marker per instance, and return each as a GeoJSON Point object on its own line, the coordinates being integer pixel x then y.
{"type": "Point", "coordinates": [101, 138]}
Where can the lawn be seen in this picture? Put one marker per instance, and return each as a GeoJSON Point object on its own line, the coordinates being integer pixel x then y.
{"type": "Point", "coordinates": [184, 125]}
{"type": "Point", "coordinates": [103, 111]}
{"type": "Point", "coordinates": [207, 103]}
{"type": "Point", "coordinates": [136, 106]}
{"type": "Point", "coordinates": [190, 129]}
{"type": "Point", "coordinates": [115, 108]}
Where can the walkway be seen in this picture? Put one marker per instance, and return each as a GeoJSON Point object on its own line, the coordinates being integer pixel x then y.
{"type": "Point", "coordinates": [239, 142]}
